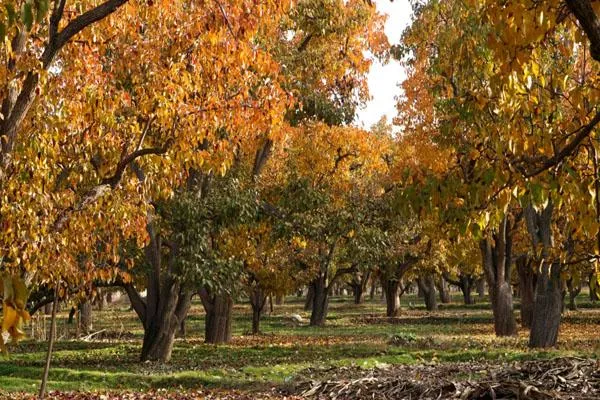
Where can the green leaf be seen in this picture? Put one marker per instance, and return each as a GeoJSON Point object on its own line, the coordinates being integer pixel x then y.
{"type": "Point", "coordinates": [27, 15]}
{"type": "Point", "coordinates": [41, 10]}
{"type": "Point", "coordinates": [12, 15]}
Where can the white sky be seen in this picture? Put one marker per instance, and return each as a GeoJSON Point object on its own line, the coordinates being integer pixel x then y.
{"type": "Point", "coordinates": [384, 79]}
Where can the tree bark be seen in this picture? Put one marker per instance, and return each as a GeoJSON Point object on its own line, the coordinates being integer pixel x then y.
{"type": "Point", "coordinates": [279, 299]}
{"type": "Point", "coordinates": [593, 293]}
{"type": "Point", "coordinates": [310, 296]}
{"type": "Point", "coordinates": [258, 299]}
{"type": "Point", "coordinates": [392, 297]}
{"type": "Point", "coordinates": [219, 308]}
{"type": "Point", "coordinates": [85, 317]}
{"type": "Point", "coordinates": [547, 307]}
{"type": "Point", "coordinates": [481, 288]}
{"type": "Point", "coordinates": [465, 284]}
{"type": "Point", "coordinates": [496, 253]}
{"type": "Point", "coordinates": [442, 286]}
{"type": "Point", "coordinates": [320, 302]}
{"type": "Point", "coordinates": [427, 285]}
{"type": "Point", "coordinates": [548, 292]}
{"type": "Point", "coordinates": [527, 280]}
{"type": "Point", "coordinates": [574, 290]}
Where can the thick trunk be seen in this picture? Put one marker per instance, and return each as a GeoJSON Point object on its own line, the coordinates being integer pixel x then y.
{"type": "Point", "coordinates": [442, 286]}
{"type": "Point", "coordinates": [320, 301]}
{"type": "Point", "coordinates": [48, 309]}
{"type": "Point", "coordinates": [392, 299]}
{"type": "Point", "coordinates": [548, 289]}
{"type": "Point", "coordinates": [547, 307]}
{"type": "Point", "coordinates": [217, 329]}
{"type": "Point", "coordinates": [427, 286]}
{"type": "Point", "coordinates": [527, 289]}
{"type": "Point", "coordinates": [164, 321]}
{"type": "Point", "coordinates": [85, 317]}
{"type": "Point", "coordinates": [310, 296]}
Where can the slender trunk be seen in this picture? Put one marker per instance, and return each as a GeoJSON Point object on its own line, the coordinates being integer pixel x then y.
{"type": "Point", "coordinates": [527, 289]}
{"type": "Point", "coordinates": [217, 329]}
{"type": "Point", "coordinates": [547, 307]}
{"type": "Point", "coordinates": [320, 302]}
{"type": "Point", "coordinates": [442, 286]}
{"type": "Point", "coordinates": [44, 383]}
{"type": "Point", "coordinates": [392, 299]}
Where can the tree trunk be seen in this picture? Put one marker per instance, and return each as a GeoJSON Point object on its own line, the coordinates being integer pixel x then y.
{"type": "Point", "coordinates": [442, 286]}
{"type": "Point", "coordinates": [427, 286]}
{"type": "Point", "coordinates": [357, 291]}
{"type": "Point", "coordinates": [166, 304]}
{"type": "Point", "coordinates": [466, 286]}
{"type": "Point", "coordinates": [574, 290]}
{"type": "Point", "coordinates": [48, 309]}
{"type": "Point", "coordinates": [258, 299]}
{"type": "Point", "coordinates": [85, 317]}
{"type": "Point", "coordinates": [497, 254]}
{"type": "Point", "coordinates": [481, 288]}
{"type": "Point", "coordinates": [217, 328]}
{"type": "Point", "coordinates": [310, 296]}
{"type": "Point", "coordinates": [547, 307]}
{"type": "Point", "coordinates": [373, 291]}
{"type": "Point", "coordinates": [593, 293]}
{"type": "Point", "coordinates": [527, 289]}
{"type": "Point", "coordinates": [320, 303]}
{"type": "Point", "coordinates": [548, 289]}
{"type": "Point", "coordinates": [392, 299]}
{"type": "Point", "coordinates": [279, 299]}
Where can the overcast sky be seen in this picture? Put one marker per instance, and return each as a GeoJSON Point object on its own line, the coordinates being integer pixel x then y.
{"type": "Point", "coordinates": [384, 79]}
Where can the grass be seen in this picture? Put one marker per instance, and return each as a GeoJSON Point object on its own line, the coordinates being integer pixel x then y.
{"type": "Point", "coordinates": [354, 336]}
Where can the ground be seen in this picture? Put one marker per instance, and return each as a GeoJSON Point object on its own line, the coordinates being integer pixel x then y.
{"type": "Point", "coordinates": [287, 359]}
